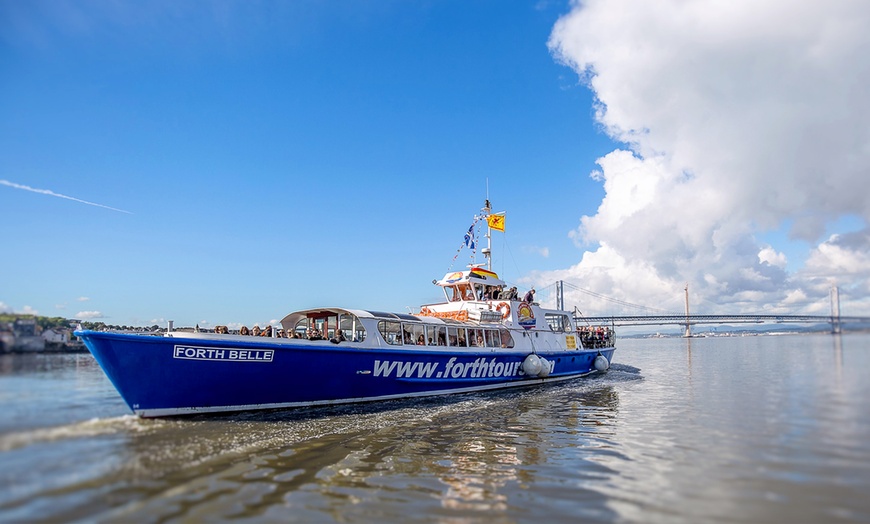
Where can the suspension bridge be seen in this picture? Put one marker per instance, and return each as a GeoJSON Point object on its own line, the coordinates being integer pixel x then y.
{"type": "Point", "coordinates": [656, 316]}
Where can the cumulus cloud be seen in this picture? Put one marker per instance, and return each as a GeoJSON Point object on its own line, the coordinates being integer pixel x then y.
{"type": "Point", "coordinates": [541, 251]}
{"type": "Point", "coordinates": [4, 308]}
{"type": "Point", "coordinates": [89, 315]}
{"type": "Point", "coordinates": [83, 299]}
{"type": "Point", "coordinates": [737, 118]}
{"type": "Point", "coordinates": [770, 256]}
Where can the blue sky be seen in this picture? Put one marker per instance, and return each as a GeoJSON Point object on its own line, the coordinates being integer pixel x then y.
{"type": "Point", "coordinates": [253, 158]}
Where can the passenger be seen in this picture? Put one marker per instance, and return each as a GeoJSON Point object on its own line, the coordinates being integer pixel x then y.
{"type": "Point", "coordinates": [266, 332]}
{"type": "Point", "coordinates": [480, 342]}
{"type": "Point", "coordinates": [530, 296]}
{"type": "Point", "coordinates": [256, 330]}
{"type": "Point", "coordinates": [441, 340]}
{"type": "Point", "coordinates": [339, 337]}
{"type": "Point", "coordinates": [421, 341]}
{"type": "Point", "coordinates": [513, 294]}
{"type": "Point", "coordinates": [244, 331]}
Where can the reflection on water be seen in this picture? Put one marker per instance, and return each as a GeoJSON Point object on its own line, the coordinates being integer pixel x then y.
{"type": "Point", "coordinates": [758, 429]}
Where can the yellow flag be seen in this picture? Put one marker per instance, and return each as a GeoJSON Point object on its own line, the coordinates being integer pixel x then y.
{"type": "Point", "coordinates": [496, 222]}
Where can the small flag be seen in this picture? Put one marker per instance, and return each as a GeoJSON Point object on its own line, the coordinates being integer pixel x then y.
{"type": "Point", "coordinates": [496, 222]}
{"type": "Point", "coordinates": [469, 237]}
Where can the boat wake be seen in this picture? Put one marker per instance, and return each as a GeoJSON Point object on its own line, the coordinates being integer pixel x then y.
{"type": "Point", "coordinates": [87, 428]}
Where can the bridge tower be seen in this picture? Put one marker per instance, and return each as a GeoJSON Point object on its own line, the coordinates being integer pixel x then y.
{"type": "Point", "coordinates": [835, 310]}
{"type": "Point", "coordinates": [688, 326]}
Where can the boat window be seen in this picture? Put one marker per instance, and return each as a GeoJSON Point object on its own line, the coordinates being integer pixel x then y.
{"type": "Point", "coordinates": [557, 322]}
{"type": "Point", "coordinates": [465, 292]}
{"type": "Point", "coordinates": [310, 328]}
{"type": "Point", "coordinates": [352, 328]}
{"type": "Point", "coordinates": [476, 338]}
{"type": "Point", "coordinates": [437, 335]}
{"type": "Point", "coordinates": [492, 338]}
{"type": "Point", "coordinates": [457, 337]}
{"type": "Point", "coordinates": [507, 341]}
{"type": "Point", "coordinates": [414, 334]}
{"type": "Point", "coordinates": [391, 331]}
{"type": "Point", "coordinates": [451, 336]}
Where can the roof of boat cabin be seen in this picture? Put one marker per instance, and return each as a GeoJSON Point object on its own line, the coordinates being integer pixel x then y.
{"type": "Point", "coordinates": [477, 275]}
{"type": "Point", "coordinates": [296, 316]}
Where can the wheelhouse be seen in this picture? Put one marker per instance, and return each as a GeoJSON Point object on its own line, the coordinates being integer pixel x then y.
{"type": "Point", "coordinates": [474, 284]}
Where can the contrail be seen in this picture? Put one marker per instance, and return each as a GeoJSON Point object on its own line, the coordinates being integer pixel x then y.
{"type": "Point", "coordinates": [52, 193]}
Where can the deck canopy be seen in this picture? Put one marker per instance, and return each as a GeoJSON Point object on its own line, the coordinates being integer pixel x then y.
{"type": "Point", "coordinates": [476, 275]}
{"type": "Point", "coordinates": [317, 316]}
{"type": "Point", "coordinates": [476, 283]}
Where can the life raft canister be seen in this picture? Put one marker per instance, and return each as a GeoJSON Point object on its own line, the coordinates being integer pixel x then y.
{"type": "Point", "coordinates": [507, 309]}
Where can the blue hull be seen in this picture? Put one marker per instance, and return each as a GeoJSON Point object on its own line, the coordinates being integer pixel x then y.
{"type": "Point", "coordinates": [159, 376]}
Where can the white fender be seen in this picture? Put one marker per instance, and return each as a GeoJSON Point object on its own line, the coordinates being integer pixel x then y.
{"type": "Point", "coordinates": [546, 368]}
{"type": "Point", "coordinates": [601, 363]}
{"type": "Point", "coordinates": [532, 365]}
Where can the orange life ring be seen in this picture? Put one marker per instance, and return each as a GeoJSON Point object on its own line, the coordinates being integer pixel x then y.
{"type": "Point", "coordinates": [507, 309]}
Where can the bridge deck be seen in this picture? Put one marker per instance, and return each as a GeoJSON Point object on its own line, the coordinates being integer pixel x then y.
{"type": "Point", "coordinates": [639, 320]}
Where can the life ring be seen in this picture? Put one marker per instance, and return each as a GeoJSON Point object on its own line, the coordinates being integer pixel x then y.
{"type": "Point", "coordinates": [507, 309]}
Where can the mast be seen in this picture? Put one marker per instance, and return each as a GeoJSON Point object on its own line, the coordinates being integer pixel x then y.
{"type": "Point", "coordinates": [487, 251]}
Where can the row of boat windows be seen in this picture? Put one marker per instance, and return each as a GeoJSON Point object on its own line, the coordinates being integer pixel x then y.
{"type": "Point", "coordinates": [339, 328]}
{"type": "Point", "coordinates": [398, 333]}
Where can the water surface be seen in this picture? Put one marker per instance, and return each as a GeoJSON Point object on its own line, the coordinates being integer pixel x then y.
{"type": "Point", "coordinates": [737, 429]}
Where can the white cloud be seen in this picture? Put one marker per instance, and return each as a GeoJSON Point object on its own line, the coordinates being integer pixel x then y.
{"type": "Point", "coordinates": [541, 251]}
{"type": "Point", "coordinates": [841, 256]}
{"type": "Point", "coordinates": [27, 310]}
{"type": "Point", "coordinates": [4, 308]}
{"type": "Point", "coordinates": [89, 315]}
{"type": "Point", "coordinates": [768, 255]}
{"type": "Point", "coordinates": [83, 299]}
{"type": "Point", "coordinates": [739, 118]}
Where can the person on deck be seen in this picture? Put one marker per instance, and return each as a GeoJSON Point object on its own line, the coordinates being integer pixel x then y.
{"type": "Point", "coordinates": [530, 296]}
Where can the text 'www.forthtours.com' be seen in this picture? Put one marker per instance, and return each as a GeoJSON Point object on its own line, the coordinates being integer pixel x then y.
{"type": "Point", "coordinates": [479, 368]}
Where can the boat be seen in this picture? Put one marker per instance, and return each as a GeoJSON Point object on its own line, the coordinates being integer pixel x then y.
{"type": "Point", "coordinates": [478, 338]}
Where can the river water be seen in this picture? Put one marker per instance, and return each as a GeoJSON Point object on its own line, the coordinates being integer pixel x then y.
{"type": "Point", "coordinates": [725, 429]}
